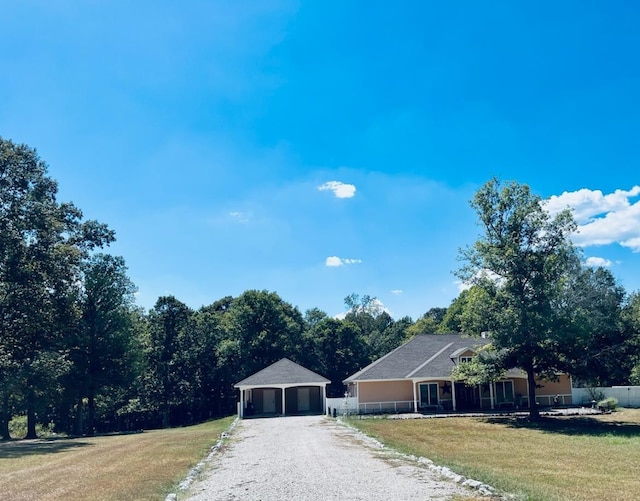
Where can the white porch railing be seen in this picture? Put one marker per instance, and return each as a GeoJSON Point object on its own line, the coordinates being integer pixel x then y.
{"type": "Point", "coordinates": [394, 406]}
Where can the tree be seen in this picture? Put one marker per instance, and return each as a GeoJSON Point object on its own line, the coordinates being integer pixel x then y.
{"type": "Point", "coordinates": [42, 243]}
{"type": "Point", "coordinates": [338, 351]}
{"type": "Point", "coordinates": [102, 353]}
{"type": "Point", "coordinates": [265, 328]}
{"type": "Point", "coordinates": [597, 350]}
{"type": "Point", "coordinates": [164, 379]}
{"type": "Point", "coordinates": [631, 325]}
{"type": "Point", "coordinates": [208, 381]}
{"type": "Point", "coordinates": [521, 264]}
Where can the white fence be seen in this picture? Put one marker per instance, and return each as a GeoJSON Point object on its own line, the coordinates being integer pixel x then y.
{"type": "Point", "coordinates": [627, 396]}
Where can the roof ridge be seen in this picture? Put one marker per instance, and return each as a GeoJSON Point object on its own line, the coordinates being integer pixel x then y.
{"type": "Point", "coordinates": [432, 357]}
{"type": "Point", "coordinates": [375, 362]}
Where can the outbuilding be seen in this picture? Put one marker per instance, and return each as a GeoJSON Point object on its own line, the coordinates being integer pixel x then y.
{"type": "Point", "coordinates": [284, 388]}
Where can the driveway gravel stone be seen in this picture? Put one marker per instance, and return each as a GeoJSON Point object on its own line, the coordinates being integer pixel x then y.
{"type": "Point", "coordinates": [314, 458]}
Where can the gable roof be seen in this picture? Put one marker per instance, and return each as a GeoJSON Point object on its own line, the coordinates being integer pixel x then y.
{"type": "Point", "coordinates": [426, 355]}
{"type": "Point", "coordinates": [284, 371]}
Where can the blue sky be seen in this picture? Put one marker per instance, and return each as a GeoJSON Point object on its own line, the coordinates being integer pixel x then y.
{"type": "Point", "coordinates": [321, 148]}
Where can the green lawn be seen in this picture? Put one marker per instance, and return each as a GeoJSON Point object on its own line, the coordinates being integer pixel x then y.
{"type": "Point", "coordinates": [569, 458]}
{"type": "Point", "coordinates": [142, 466]}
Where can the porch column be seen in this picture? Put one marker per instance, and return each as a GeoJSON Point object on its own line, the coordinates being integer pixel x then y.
{"type": "Point", "coordinates": [323, 393]}
{"type": "Point", "coordinates": [493, 406]}
{"type": "Point", "coordinates": [284, 401]}
{"type": "Point", "coordinates": [415, 398]}
{"type": "Point", "coordinates": [453, 395]}
{"type": "Point", "coordinates": [242, 397]}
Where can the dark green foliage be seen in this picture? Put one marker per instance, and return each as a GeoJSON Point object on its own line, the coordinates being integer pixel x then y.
{"type": "Point", "coordinates": [544, 312]}
{"type": "Point", "coordinates": [42, 244]}
{"type": "Point", "coordinates": [76, 351]}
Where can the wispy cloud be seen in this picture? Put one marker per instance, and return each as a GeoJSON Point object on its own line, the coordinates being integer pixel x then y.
{"type": "Point", "coordinates": [240, 217]}
{"type": "Point", "coordinates": [340, 189]}
{"type": "Point", "coordinates": [396, 292]}
{"type": "Point", "coordinates": [340, 261]}
{"type": "Point", "coordinates": [602, 219]}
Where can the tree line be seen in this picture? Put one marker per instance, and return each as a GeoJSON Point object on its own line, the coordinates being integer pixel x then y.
{"type": "Point", "coordinates": [78, 355]}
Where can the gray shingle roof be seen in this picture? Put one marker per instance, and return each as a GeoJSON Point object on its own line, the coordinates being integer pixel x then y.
{"type": "Point", "coordinates": [421, 357]}
{"type": "Point", "coordinates": [284, 371]}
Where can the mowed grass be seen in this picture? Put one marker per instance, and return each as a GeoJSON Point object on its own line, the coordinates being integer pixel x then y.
{"type": "Point", "coordinates": [568, 458]}
{"type": "Point", "coordinates": [141, 466]}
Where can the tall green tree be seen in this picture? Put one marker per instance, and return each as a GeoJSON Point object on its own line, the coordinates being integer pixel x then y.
{"type": "Point", "coordinates": [165, 376]}
{"type": "Point", "coordinates": [631, 325]}
{"type": "Point", "coordinates": [521, 262]}
{"type": "Point", "coordinates": [42, 243]}
{"type": "Point", "coordinates": [106, 344]}
{"type": "Point", "coordinates": [264, 329]}
{"type": "Point", "coordinates": [597, 350]}
{"type": "Point", "coordinates": [338, 351]}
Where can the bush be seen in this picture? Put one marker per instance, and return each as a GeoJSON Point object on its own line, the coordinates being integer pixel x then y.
{"type": "Point", "coordinates": [608, 404]}
{"type": "Point", "coordinates": [18, 428]}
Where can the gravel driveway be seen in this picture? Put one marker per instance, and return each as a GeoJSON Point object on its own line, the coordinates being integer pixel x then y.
{"type": "Point", "coordinates": [313, 458]}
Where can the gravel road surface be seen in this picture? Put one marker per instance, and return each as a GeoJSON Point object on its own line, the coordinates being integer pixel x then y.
{"type": "Point", "coordinates": [313, 458]}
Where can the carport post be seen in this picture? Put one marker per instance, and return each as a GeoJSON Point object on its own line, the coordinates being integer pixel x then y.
{"type": "Point", "coordinates": [491, 396]}
{"type": "Point", "coordinates": [284, 401]}
{"type": "Point", "coordinates": [453, 395]}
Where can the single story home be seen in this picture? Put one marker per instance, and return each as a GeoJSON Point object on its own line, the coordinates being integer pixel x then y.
{"type": "Point", "coordinates": [283, 388]}
{"type": "Point", "coordinates": [417, 377]}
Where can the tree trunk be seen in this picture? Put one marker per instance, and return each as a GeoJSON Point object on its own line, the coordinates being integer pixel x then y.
{"type": "Point", "coordinates": [5, 417]}
{"type": "Point", "coordinates": [534, 413]}
{"type": "Point", "coordinates": [79, 428]}
{"type": "Point", "coordinates": [31, 414]}
{"type": "Point", "coordinates": [165, 415]}
{"type": "Point", "coordinates": [91, 414]}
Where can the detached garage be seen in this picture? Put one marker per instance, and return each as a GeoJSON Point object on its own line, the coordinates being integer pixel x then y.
{"type": "Point", "coordinates": [282, 389]}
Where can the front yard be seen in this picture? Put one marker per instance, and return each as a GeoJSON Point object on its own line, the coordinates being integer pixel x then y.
{"type": "Point", "coordinates": [558, 458]}
{"type": "Point", "coordinates": [142, 466]}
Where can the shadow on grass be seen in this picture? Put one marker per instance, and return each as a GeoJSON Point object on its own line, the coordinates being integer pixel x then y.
{"type": "Point", "coordinates": [586, 426]}
{"type": "Point", "coordinates": [13, 449]}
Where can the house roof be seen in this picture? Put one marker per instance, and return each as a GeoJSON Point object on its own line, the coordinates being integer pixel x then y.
{"type": "Point", "coordinates": [423, 356]}
{"type": "Point", "coordinates": [284, 371]}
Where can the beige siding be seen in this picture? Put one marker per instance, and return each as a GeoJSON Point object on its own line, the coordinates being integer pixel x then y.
{"type": "Point", "coordinates": [560, 387]}
{"type": "Point", "coordinates": [385, 391]}
{"type": "Point", "coordinates": [520, 387]}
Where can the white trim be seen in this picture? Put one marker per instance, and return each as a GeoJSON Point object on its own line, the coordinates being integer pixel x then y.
{"type": "Point", "coordinates": [379, 380]}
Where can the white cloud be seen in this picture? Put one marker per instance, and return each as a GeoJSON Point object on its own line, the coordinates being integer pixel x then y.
{"type": "Point", "coordinates": [339, 261]}
{"type": "Point", "coordinates": [379, 307]}
{"type": "Point", "coordinates": [598, 261]}
{"type": "Point", "coordinates": [375, 308]}
{"type": "Point", "coordinates": [481, 274]}
{"type": "Point", "coordinates": [396, 292]}
{"type": "Point", "coordinates": [602, 219]}
{"type": "Point", "coordinates": [241, 217]}
{"type": "Point", "coordinates": [340, 189]}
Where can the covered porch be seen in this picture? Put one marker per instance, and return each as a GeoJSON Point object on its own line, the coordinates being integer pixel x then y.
{"type": "Point", "coordinates": [447, 395]}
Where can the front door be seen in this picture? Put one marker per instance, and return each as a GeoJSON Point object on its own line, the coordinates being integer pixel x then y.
{"type": "Point", "coordinates": [467, 397]}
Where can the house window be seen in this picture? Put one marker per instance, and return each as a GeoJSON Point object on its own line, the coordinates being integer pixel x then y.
{"type": "Point", "coordinates": [429, 394]}
{"type": "Point", "coordinates": [466, 359]}
{"type": "Point", "coordinates": [504, 391]}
